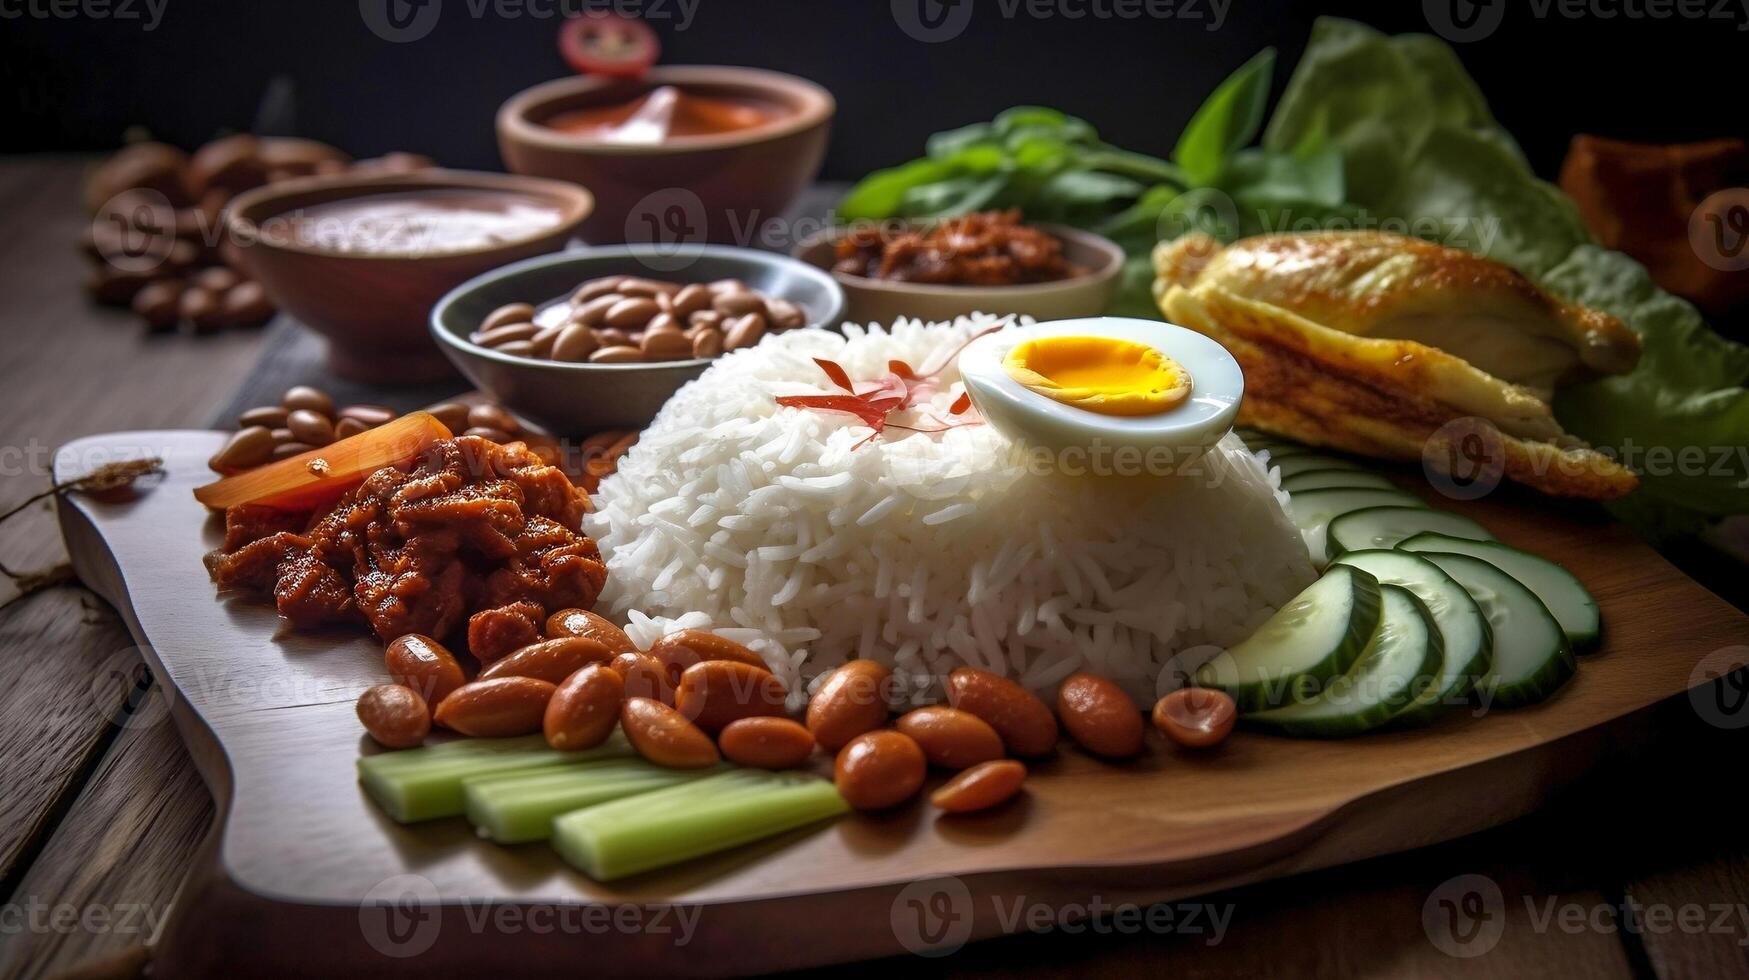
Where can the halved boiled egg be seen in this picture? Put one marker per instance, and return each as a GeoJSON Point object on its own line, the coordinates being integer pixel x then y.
{"type": "Point", "coordinates": [1104, 380]}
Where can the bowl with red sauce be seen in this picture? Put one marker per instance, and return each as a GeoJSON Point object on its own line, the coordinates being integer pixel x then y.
{"type": "Point", "coordinates": [363, 259]}
{"type": "Point", "coordinates": [682, 154]}
{"type": "Point", "coordinates": [989, 262]}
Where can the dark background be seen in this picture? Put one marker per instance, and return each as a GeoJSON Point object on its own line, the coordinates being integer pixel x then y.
{"type": "Point", "coordinates": [79, 83]}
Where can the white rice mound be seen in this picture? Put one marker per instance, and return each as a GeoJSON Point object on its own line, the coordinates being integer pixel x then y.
{"type": "Point", "coordinates": [926, 551]}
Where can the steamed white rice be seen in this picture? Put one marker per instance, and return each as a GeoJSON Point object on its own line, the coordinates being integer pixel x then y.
{"type": "Point", "coordinates": [927, 551]}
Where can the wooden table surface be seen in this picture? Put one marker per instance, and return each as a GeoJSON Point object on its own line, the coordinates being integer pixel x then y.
{"type": "Point", "coordinates": [1641, 870]}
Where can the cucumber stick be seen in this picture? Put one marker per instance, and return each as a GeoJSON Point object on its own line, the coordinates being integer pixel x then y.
{"type": "Point", "coordinates": [1465, 637]}
{"type": "Point", "coordinates": [516, 807]}
{"type": "Point", "coordinates": [1402, 660]}
{"type": "Point", "coordinates": [1385, 527]}
{"type": "Point", "coordinates": [1564, 596]}
{"type": "Point", "coordinates": [1316, 636]}
{"type": "Point", "coordinates": [426, 783]}
{"type": "Point", "coordinates": [1531, 654]}
{"type": "Point", "coordinates": [703, 816]}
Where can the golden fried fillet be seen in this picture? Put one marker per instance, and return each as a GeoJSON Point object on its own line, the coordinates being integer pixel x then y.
{"type": "Point", "coordinates": [1378, 396]}
{"type": "Point", "coordinates": [1374, 284]}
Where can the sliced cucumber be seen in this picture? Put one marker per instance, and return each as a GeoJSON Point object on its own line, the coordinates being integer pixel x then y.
{"type": "Point", "coordinates": [1385, 527]}
{"type": "Point", "coordinates": [1316, 636]}
{"type": "Point", "coordinates": [1464, 634]}
{"type": "Point", "coordinates": [1402, 661]}
{"type": "Point", "coordinates": [515, 807]}
{"type": "Point", "coordinates": [1563, 594]}
{"type": "Point", "coordinates": [1531, 653]}
{"type": "Point", "coordinates": [1312, 510]}
{"type": "Point", "coordinates": [1336, 479]}
{"type": "Point", "coordinates": [1295, 465]}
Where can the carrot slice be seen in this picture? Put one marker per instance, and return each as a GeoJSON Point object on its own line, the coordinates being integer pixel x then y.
{"type": "Point", "coordinates": [321, 476]}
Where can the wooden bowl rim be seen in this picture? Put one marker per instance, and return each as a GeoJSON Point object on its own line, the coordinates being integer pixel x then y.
{"type": "Point", "coordinates": [814, 107]}
{"type": "Point", "coordinates": [244, 214]}
{"type": "Point", "coordinates": [1112, 264]}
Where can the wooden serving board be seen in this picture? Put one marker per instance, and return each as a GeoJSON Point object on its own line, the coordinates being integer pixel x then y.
{"type": "Point", "coordinates": [301, 860]}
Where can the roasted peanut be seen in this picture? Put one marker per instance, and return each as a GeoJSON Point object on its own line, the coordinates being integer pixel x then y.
{"type": "Point", "coordinates": [617, 354]}
{"type": "Point", "coordinates": [490, 435]}
{"type": "Point", "coordinates": [249, 447]}
{"type": "Point", "coordinates": [395, 716]}
{"type": "Point", "coordinates": [631, 313]}
{"type": "Point", "coordinates": [595, 288]}
{"type": "Point", "coordinates": [738, 303]}
{"type": "Point", "coordinates": [550, 660]}
{"type": "Point", "coordinates": [496, 708]}
{"type": "Point", "coordinates": [576, 341]}
{"type": "Point", "coordinates": [267, 416]}
{"type": "Point", "coordinates": [543, 341]}
{"type": "Point", "coordinates": [850, 701]}
{"type": "Point", "coordinates": [666, 345]}
{"type": "Point", "coordinates": [1196, 717]}
{"type": "Point", "coordinates": [583, 622]}
{"type": "Point", "coordinates": [743, 331]}
{"type": "Point", "coordinates": [707, 342]}
{"type": "Point", "coordinates": [584, 709]}
{"type": "Point", "coordinates": [951, 738]}
{"type": "Point", "coordinates": [246, 304]}
{"type": "Point", "coordinates": [500, 335]}
{"type": "Point", "coordinates": [713, 693]}
{"type": "Point", "coordinates": [982, 786]}
{"type": "Point", "coordinates": [508, 313]}
{"type": "Point", "coordinates": [310, 428]}
{"type": "Point", "coordinates": [370, 415]}
{"type": "Point", "coordinates": [425, 665]}
{"type": "Point", "coordinates": [1026, 725]}
{"type": "Point", "coordinates": [594, 312]}
{"type": "Point", "coordinates": [453, 415]}
{"type": "Point", "coordinates": [690, 300]}
{"type": "Point", "coordinates": [159, 303]}
{"type": "Point", "coordinates": [1100, 716]}
{"type": "Point", "coordinates": [491, 417]}
{"type": "Point", "coordinates": [644, 677]}
{"type": "Point", "coordinates": [664, 736]}
{"type": "Point", "coordinates": [876, 770]}
{"type": "Point", "coordinates": [683, 648]}
{"type": "Point", "coordinates": [766, 743]}
{"type": "Point", "coordinates": [304, 396]}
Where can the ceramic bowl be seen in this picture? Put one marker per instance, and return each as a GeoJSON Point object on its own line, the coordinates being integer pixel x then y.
{"type": "Point", "coordinates": [882, 301]}
{"type": "Point", "coordinates": [713, 188]}
{"type": "Point", "coordinates": [569, 399]}
{"type": "Point", "coordinates": [373, 307]}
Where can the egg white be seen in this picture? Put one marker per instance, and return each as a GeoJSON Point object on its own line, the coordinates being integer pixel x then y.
{"type": "Point", "coordinates": [1189, 428]}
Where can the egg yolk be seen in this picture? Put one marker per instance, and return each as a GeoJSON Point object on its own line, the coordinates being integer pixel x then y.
{"type": "Point", "coordinates": [1100, 374]}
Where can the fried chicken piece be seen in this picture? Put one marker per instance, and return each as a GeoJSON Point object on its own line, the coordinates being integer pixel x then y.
{"type": "Point", "coordinates": [1395, 399]}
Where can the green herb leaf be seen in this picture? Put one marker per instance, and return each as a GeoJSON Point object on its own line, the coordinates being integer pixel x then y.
{"type": "Point", "coordinates": [1227, 120]}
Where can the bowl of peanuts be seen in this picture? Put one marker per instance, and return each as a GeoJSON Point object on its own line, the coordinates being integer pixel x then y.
{"type": "Point", "coordinates": [600, 338]}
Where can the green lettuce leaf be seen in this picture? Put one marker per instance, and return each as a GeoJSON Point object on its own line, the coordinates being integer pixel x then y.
{"type": "Point", "coordinates": [1419, 145]}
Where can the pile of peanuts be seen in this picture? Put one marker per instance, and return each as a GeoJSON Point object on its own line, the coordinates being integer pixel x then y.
{"type": "Point", "coordinates": [695, 698]}
{"type": "Point", "coordinates": [153, 243]}
{"type": "Point", "coordinates": [631, 320]}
